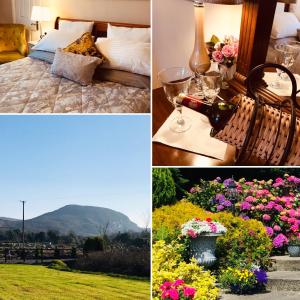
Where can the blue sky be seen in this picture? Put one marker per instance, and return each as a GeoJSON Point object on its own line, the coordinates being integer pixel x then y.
{"type": "Point", "coordinates": [52, 161]}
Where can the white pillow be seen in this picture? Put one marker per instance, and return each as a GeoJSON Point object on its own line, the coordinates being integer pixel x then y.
{"type": "Point", "coordinates": [131, 34]}
{"type": "Point", "coordinates": [295, 8]}
{"type": "Point", "coordinates": [285, 25]}
{"type": "Point", "coordinates": [56, 39]}
{"type": "Point", "coordinates": [80, 27]}
{"type": "Point", "coordinates": [125, 55]}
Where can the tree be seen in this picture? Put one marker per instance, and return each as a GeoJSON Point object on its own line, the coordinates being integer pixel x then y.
{"type": "Point", "coordinates": [53, 236]}
{"type": "Point", "coordinates": [164, 190]}
{"type": "Point", "coordinates": [93, 244]}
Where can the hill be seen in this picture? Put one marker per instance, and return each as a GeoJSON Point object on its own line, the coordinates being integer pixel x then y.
{"type": "Point", "coordinates": [82, 220]}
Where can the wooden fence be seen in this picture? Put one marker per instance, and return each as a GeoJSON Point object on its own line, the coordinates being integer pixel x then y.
{"type": "Point", "coordinates": [37, 254]}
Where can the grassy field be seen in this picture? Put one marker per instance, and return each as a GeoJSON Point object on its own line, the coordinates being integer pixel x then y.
{"type": "Point", "coordinates": [24, 282]}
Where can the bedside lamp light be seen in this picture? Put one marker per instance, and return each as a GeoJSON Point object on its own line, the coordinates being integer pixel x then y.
{"type": "Point", "coordinates": [199, 59]}
{"type": "Point", "coordinates": [40, 14]}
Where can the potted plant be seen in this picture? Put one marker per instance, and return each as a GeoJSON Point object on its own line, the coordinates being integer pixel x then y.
{"type": "Point", "coordinates": [203, 235]}
{"type": "Point", "coordinates": [294, 247]}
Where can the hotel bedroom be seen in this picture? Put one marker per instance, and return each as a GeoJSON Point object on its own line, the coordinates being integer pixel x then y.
{"type": "Point", "coordinates": [228, 94]}
{"type": "Point", "coordinates": [71, 56]}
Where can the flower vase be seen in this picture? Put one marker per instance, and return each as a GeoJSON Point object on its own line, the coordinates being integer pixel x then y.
{"type": "Point", "coordinates": [227, 74]}
{"type": "Point", "coordinates": [203, 248]}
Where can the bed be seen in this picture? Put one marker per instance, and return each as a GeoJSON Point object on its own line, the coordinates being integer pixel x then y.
{"type": "Point", "coordinates": [28, 86]}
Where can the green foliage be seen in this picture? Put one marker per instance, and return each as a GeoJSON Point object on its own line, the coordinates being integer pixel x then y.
{"type": "Point", "coordinates": [56, 252]}
{"type": "Point", "coordinates": [181, 183]}
{"type": "Point", "coordinates": [58, 265]}
{"type": "Point", "coordinates": [164, 190]}
{"type": "Point", "coordinates": [93, 244]}
{"type": "Point", "coordinates": [245, 240]}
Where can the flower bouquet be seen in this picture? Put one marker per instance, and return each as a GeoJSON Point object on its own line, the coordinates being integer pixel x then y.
{"type": "Point", "coordinates": [177, 291]}
{"type": "Point", "coordinates": [197, 227]}
{"type": "Point", "coordinates": [243, 280]}
{"type": "Point", "coordinates": [225, 54]}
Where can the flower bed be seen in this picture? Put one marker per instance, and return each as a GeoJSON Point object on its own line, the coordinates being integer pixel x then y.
{"type": "Point", "coordinates": [244, 241]}
{"type": "Point", "coordinates": [275, 203]}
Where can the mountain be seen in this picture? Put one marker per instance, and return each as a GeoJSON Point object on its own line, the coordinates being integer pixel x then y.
{"type": "Point", "coordinates": [82, 220]}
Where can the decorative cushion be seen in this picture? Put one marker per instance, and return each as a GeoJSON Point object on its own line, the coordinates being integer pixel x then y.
{"type": "Point", "coordinates": [85, 46]}
{"type": "Point", "coordinates": [76, 67]}
{"type": "Point", "coordinates": [125, 55]}
{"type": "Point", "coordinates": [129, 34]}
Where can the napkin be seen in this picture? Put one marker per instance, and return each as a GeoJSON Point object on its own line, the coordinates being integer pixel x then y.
{"type": "Point", "coordinates": [285, 85]}
{"type": "Point", "coordinates": [197, 139]}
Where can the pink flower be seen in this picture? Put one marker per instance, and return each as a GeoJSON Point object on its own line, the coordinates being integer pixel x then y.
{"type": "Point", "coordinates": [277, 228]}
{"type": "Point", "coordinates": [178, 282]}
{"type": "Point", "coordinates": [280, 240]}
{"type": "Point", "coordinates": [292, 213]}
{"type": "Point", "coordinates": [270, 231]}
{"type": "Point", "coordinates": [278, 207]}
{"type": "Point", "coordinates": [213, 227]}
{"type": "Point", "coordinates": [250, 199]}
{"type": "Point", "coordinates": [189, 292]}
{"type": "Point", "coordinates": [294, 228]}
{"type": "Point", "coordinates": [266, 217]}
{"type": "Point", "coordinates": [218, 56]}
{"type": "Point", "coordinates": [174, 294]}
{"type": "Point", "coordinates": [166, 285]}
{"type": "Point", "coordinates": [192, 233]}
{"type": "Point", "coordinates": [283, 218]}
{"type": "Point", "coordinates": [228, 51]}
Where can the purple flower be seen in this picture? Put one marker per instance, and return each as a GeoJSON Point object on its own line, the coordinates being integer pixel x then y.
{"type": "Point", "coordinates": [220, 207]}
{"type": "Point", "coordinates": [245, 205]}
{"type": "Point", "coordinates": [220, 198]}
{"type": "Point", "coordinates": [228, 181]}
{"type": "Point", "coordinates": [227, 203]}
{"type": "Point", "coordinates": [270, 231]}
{"type": "Point", "coordinates": [280, 240]}
{"type": "Point", "coordinates": [218, 179]}
{"type": "Point", "coordinates": [245, 217]}
{"type": "Point", "coordinates": [261, 276]}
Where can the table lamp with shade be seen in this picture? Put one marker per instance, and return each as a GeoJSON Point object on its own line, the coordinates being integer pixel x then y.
{"type": "Point", "coordinates": [199, 60]}
{"type": "Point", "coordinates": [40, 14]}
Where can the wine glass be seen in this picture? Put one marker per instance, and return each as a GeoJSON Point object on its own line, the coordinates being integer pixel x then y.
{"type": "Point", "coordinates": [176, 81]}
{"type": "Point", "coordinates": [286, 54]}
{"type": "Point", "coordinates": [211, 85]}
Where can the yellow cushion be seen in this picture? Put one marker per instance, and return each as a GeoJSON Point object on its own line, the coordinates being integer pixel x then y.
{"type": "Point", "coordinates": [13, 38]}
{"type": "Point", "coordinates": [9, 56]}
{"type": "Point", "coordinates": [84, 46]}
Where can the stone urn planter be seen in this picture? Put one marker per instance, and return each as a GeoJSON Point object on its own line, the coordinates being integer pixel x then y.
{"type": "Point", "coordinates": [203, 248]}
{"type": "Point", "coordinates": [203, 236]}
{"type": "Point", "coordinates": [294, 250]}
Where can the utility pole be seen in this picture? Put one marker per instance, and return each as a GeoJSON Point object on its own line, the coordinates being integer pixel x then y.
{"type": "Point", "coordinates": [23, 229]}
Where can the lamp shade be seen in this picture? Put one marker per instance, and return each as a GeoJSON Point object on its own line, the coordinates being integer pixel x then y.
{"type": "Point", "coordinates": [40, 13]}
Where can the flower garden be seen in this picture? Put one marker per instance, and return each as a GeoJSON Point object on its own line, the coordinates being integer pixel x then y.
{"type": "Point", "coordinates": [261, 218]}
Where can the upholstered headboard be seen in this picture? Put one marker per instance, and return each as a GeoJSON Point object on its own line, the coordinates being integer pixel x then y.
{"type": "Point", "coordinates": [100, 27]}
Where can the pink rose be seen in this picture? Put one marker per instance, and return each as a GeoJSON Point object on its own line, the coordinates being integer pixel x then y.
{"type": "Point", "coordinates": [266, 217]}
{"type": "Point", "coordinates": [277, 228]}
{"type": "Point", "coordinates": [218, 56]}
{"type": "Point", "coordinates": [228, 51]}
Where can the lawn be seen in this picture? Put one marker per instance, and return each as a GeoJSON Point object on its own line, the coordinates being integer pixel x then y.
{"type": "Point", "coordinates": [37, 282]}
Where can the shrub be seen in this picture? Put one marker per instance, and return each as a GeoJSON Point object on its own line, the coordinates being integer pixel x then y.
{"type": "Point", "coordinates": [168, 265]}
{"type": "Point", "coordinates": [93, 244]}
{"type": "Point", "coordinates": [274, 203]}
{"type": "Point", "coordinates": [127, 261]}
{"type": "Point", "coordinates": [244, 241]}
{"type": "Point", "coordinates": [58, 265]}
{"type": "Point", "coordinates": [164, 190]}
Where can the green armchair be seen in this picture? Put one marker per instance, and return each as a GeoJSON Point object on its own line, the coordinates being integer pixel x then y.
{"type": "Point", "coordinates": [13, 42]}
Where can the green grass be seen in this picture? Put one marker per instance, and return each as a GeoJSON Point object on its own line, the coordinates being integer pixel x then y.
{"type": "Point", "coordinates": [40, 283]}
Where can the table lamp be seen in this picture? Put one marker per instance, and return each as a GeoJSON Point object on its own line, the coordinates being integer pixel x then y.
{"type": "Point", "coordinates": [199, 59]}
{"type": "Point", "coordinates": [40, 14]}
